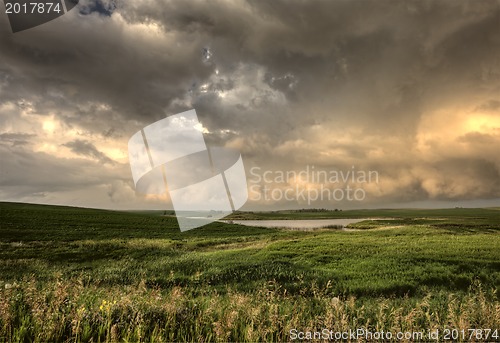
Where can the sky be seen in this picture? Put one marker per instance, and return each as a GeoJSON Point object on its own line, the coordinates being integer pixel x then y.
{"type": "Point", "coordinates": [406, 90]}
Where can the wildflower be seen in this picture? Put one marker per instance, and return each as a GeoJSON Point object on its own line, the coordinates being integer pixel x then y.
{"type": "Point", "coordinates": [103, 305]}
{"type": "Point", "coordinates": [81, 311]}
{"type": "Point", "coordinates": [106, 305]}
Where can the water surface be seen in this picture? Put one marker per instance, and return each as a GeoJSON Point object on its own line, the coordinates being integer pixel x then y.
{"type": "Point", "coordinates": [299, 224]}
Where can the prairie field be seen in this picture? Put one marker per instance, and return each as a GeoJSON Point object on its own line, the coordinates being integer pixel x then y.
{"type": "Point", "coordinates": [80, 275]}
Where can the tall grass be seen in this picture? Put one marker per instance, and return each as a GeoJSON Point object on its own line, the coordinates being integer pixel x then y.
{"type": "Point", "coordinates": [70, 310]}
{"type": "Point", "coordinates": [80, 275]}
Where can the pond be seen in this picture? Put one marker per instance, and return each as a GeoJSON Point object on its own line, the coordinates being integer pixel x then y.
{"type": "Point", "coordinates": [306, 224]}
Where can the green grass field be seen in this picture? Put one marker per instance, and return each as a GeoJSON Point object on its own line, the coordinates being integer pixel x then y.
{"type": "Point", "coordinates": [72, 274]}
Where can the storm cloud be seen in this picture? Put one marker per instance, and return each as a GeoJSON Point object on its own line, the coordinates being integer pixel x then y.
{"type": "Point", "coordinates": [408, 88]}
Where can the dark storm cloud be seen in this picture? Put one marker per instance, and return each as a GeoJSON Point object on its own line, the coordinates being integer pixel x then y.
{"type": "Point", "coordinates": [334, 83]}
{"type": "Point", "coordinates": [85, 148]}
{"type": "Point", "coordinates": [16, 138]}
{"type": "Point", "coordinates": [335, 52]}
{"type": "Point", "coordinates": [382, 63]}
{"type": "Point", "coordinates": [102, 62]}
{"type": "Point", "coordinates": [24, 173]}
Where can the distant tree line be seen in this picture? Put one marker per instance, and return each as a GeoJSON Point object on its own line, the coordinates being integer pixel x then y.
{"type": "Point", "coordinates": [316, 210]}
